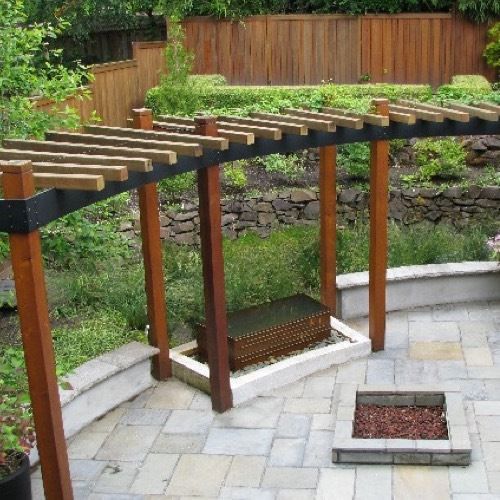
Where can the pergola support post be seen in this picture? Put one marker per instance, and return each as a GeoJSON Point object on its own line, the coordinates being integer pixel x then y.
{"type": "Point", "coordinates": [328, 225]}
{"type": "Point", "coordinates": [27, 264]}
{"type": "Point", "coordinates": [213, 276]}
{"type": "Point", "coordinates": [379, 185]}
{"type": "Point", "coordinates": [153, 263]}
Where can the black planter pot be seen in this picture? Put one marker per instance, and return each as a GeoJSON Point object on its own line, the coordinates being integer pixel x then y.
{"type": "Point", "coordinates": [17, 486]}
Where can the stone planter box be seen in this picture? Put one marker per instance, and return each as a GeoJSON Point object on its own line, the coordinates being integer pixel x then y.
{"type": "Point", "coordinates": [251, 385]}
{"type": "Point", "coordinates": [453, 451]}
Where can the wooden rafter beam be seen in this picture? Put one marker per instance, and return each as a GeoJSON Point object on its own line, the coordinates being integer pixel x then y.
{"type": "Point", "coordinates": [481, 113]}
{"type": "Point", "coordinates": [309, 122]}
{"type": "Point", "coordinates": [406, 118]}
{"type": "Point", "coordinates": [420, 114]}
{"type": "Point", "coordinates": [489, 106]}
{"type": "Point", "coordinates": [166, 157]}
{"type": "Point", "coordinates": [264, 132]}
{"type": "Point", "coordinates": [81, 182]}
{"type": "Point", "coordinates": [217, 143]}
{"type": "Point", "coordinates": [450, 114]}
{"type": "Point", "coordinates": [116, 174]}
{"type": "Point", "coordinates": [286, 128]}
{"type": "Point", "coordinates": [183, 148]}
{"type": "Point", "coordinates": [134, 164]}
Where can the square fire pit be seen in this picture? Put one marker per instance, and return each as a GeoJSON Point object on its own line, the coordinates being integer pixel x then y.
{"type": "Point", "coordinates": [455, 450]}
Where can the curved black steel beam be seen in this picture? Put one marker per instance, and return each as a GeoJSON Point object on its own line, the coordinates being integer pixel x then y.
{"type": "Point", "coordinates": [22, 216]}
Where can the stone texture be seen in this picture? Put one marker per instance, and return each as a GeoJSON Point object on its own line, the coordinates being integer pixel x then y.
{"type": "Point", "coordinates": [436, 351]}
{"type": "Point", "coordinates": [419, 482]}
{"type": "Point", "coordinates": [336, 483]}
{"type": "Point", "coordinates": [287, 452]}
{"type": "Point", "coordinates": [154, 474]}
{"type": "Point", "coordinates": [246, 471]}
{"type": "Point", "coordinates": [238, 441]}
{"type": "Point", "coordinates": [290, 477]}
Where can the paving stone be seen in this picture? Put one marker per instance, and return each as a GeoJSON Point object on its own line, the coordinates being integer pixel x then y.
{"type": "Point", "coordinates": [475, 328]}
{"type": "Point", "coordinates": [238, 441]}
{"type": "Point", "coordinates": [449, 313]}
{"type": "Point", "coordinates": [128, 443]}
{"type": "Point", "coordinates": [140, 400]}
{"type": "Point", "coordinates": [473, 390]}
{"type": "Point", "coordinates": [235, 493]}
{"type": "Point", "coordinates": [435, 351]}
{"type": "Point", "coordinates": [318, 452]}
{"type": "Point", "coordinates": [492, 390]}
{"type": "Point", "coordinates": [478, 356]}
{"type": "Point", "coordinates": [178, 443]}
{"type": "Point", "coordinates": [307, 405]}
{"type": "Point", "coordinates": [37, 489]}
{"type": "Point", "coordinates": [95, 496]}
{"type": "Point", "coordinates": [82, 490]}
{"type": "Point", "coordinates": [171, 395]}
{"type": "Point", "coordinates": [116, 477]}
{"type": "Point", "coordinates": [287, 452]}
{"type": "Point", "coordinates": [486, 408]}
{"type": "Point", "coordinates": [292, 425]}
{"type": "Point", "coordinates": [319, 387]}
{"type": "Point", "coordinates": [246, 471]}
{"type": "Point", "coordinates": [108, 422]}
{"type": "Point", "coordinates": [418, 482]}
{"type": "Point", "coordinates": [412, 372]}
{"type": "Point", "coordinates": [437, 331]}
{"type": "Point", "coordinates": [336, 483]}
{"type": "Point", "coordinates": [324, 421]}
{"type": "Point", "coordinates": [489, 428]}
{"type": "Point", "coordinates": [198, 475]}
{"type": "Point", "coordinates": [485, 372]}
{"type": "Point", "coordinates": [397, 333]}
{"type": "Point", "coordinates": [188, 422]}
{"type": "Point", "coordinates": [471, 479]}
{"type": "Point", "coordinates": [154, 474]}
{"type": "Point", "coordinates": [145, 416]}
{"type": "Point", "coordinates": [373, 482]}
{"type": "Point", "coordinates": [380, 371]}
{"type": "Point", "coordinates": [352, 373]}
{"type": "Point", "coordinates": [288, 494]}
{"type": "Point", "coordinates": [86, 444]}
{"type": "Point", "coordinates": [294, 390]}
{"type": "Point", "coordinates": [250, 417]}
{"type": "Point", "coordinates": [452, 370]}
{"type": "Point", "coordinates": [290, 477]}
{"type": "Point", "coordinates": [390, 354]}
{"type": "Point", "coordinates": [201, 402]}
{"type": "Point", "coordinates": [491, 452]}
{"type": "Point", "coordinates": [494, 482]}
{"type": "Point", "coordinates": [85, 470]}
{"type": "Point", "coordinates": [478, 496]}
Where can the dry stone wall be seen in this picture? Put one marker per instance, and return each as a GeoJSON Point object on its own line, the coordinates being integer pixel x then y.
{"type": "Point", "coordinates": [264, 213]}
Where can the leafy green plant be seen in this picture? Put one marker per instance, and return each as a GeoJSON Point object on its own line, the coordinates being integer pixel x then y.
{"type": "Point", "coordinates": [355, 159]}
{"type": "Point", "coordinates": [438, 158]}
{"type": "Point", "coordinates": [16, 427]}
{"type": "Point", "coordinates": [290, 166]}
{"type": "Point", "coordinates": [489, 177]}
{"type": "Point", "coordinates": [172, 188]}
{"type": "Point", "coordinates": [465, 88]}
{"type": "Point", "coordinates": [29, 70]}
{"type": "Point", "coordinates": [492, 51]}
{"type": "Point", "coordinates": [235, 176]}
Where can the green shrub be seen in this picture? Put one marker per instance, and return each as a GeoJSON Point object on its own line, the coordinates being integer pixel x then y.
{"type": "Point", "coordinates": [235, 176]}
{"type": "Point", "coordinates": [438, 158]}
{"type": "Point", "coordinates": [291, 165]}
{"type": "Point", "coordinates": [214, 80]}
{"type": "Point", "coordinates": [174, 187]}
{"type": "Point", "coordinates": [492, 51]}
{"type": "Point", "coordinates": [355, 159]}
{"type": "Point", "coordinates": [4, 246]}
{"type": "Point", "coordinates": [465, 88]}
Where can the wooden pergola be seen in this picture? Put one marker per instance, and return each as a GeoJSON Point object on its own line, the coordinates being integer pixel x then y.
{"type": "Point", "coordinates": [79, 169]}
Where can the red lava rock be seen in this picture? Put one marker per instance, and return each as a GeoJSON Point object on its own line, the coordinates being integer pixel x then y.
{"type": "Point", "coordinates": [400, 422]}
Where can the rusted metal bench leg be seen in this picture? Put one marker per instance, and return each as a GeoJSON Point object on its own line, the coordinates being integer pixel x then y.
{"type": "Point", "coordinates": [153, 264]}
{"type": "Point", "coordinates": [26, 254]}
{"type": "Point", "coordinates": [213, 277]}
{"type": "Point", "coordinates": [379, 185]}
{"type": "Point", "coordinates": [328, 225]}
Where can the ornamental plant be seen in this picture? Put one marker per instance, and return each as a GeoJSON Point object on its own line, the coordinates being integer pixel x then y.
{"type": "Point", "coordinates": [30, 70]}
{"type": "Point", "coordinates": [494, 246]}
{"type": "Point", "coordinates": [492, 51]}
{"type": "Point", "coordinates": [16, 427]}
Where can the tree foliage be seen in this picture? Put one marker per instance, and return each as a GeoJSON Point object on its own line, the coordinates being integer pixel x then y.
{"type": "Point", "coordinates": [492, 51]}
{"type": "Point", "coordinates": [29, 69]}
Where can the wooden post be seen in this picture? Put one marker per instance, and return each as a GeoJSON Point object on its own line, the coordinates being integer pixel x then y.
{"type": "Point", "coordinates": [328, 225]}
{"type": "Point", "coordinates": [213, 276]}
{"type": "Point", "coordinates": [379, 186]}
{"type": "Point", "coordinates": [153, 264]}
{"type": "Point", "coordinates": [26, 254]}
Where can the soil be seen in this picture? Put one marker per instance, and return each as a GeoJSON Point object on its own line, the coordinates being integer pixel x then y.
{"type": "Point", "coordinates": [400, 422]}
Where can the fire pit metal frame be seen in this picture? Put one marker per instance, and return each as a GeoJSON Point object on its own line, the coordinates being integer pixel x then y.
{"type": "Point", "coordinates": [456, 450]}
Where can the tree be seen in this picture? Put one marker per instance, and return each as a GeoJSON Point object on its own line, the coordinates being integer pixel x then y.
{"type": "Point", "coordinates": [29, 69]}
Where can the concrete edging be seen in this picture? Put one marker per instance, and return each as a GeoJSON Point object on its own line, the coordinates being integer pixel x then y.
{"type": "Point", "coordinates": [419, 286]}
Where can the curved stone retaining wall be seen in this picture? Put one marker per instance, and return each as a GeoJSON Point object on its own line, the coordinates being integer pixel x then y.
{"type": "Point", "coordinates": [263, 213]}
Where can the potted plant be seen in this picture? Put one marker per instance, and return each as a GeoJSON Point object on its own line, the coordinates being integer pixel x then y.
{"type": "Point", "coordinates": [16, 430]}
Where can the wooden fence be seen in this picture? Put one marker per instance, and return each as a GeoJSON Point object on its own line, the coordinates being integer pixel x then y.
{"type": "Point", "coordinates": [118, 87]}
{"type": "Point", "coordinates": [306, 49]}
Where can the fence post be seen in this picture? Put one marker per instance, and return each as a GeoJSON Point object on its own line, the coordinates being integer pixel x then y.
{"type": "Point", "coordinates": [379, 186]}
{"type": "Point", "coordinates": [213, 276]}
{"type": "Point", "coordinates": [153, 263]}
{"type": "Point", "coordinates": [26, 254]}
{"type": "Point", "coordinates": [328, 225]}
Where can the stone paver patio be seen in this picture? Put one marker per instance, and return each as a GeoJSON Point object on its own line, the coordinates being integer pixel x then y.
{"type": "Point", "coordinates": [168, 443]}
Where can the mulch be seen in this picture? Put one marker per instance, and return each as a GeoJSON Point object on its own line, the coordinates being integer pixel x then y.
{"type": "Point", "coordinates": [400, 422]}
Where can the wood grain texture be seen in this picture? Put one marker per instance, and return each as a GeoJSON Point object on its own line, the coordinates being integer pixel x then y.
{"type": "Point", "coordinates": [450, 114]}
{"type": "Point", "coordinates": [153, 266]}
{"type": "Point", "coordinates": [286, 128]}
{"type": "Point", "coordinates": [213, 278]}
{"type": "Point", "coordinates": [116, 174]}
{"type": "Point", "coordinates": [27, 263]}
{"type": "Point", "coordinates": [80, 182]}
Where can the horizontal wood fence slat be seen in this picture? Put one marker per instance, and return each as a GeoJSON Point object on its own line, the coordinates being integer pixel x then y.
{"type": "Point", "coordinates": [118, 87]}
{"type": "Point", "coordinates": [306, 49]}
